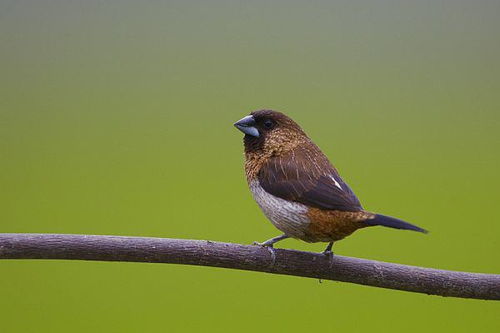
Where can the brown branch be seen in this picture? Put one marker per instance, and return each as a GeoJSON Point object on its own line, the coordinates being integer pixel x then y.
{"type": "Point", "coordinates": [251, 258]}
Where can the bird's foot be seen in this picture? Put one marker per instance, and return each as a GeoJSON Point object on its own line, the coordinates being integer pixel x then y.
{"type": "Point", "coordinates": [327, 253]}
{"type": "Point", "coordinates": [270, 242]}
{"type": "Point", "coordinates": [269, 246]}
{"type": "Point", "coordinates": [264, 244]}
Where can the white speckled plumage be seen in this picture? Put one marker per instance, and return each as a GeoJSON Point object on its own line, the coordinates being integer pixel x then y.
{"type": "Point", "coordinates": [289, 217]}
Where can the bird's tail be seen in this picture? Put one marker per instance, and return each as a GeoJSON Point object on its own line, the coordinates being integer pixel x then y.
{"type": "Point", "coordinates": [392, 222]}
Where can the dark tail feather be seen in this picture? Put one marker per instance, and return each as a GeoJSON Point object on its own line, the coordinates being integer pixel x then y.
{"type": "Point", "coordinates": [392, 222]}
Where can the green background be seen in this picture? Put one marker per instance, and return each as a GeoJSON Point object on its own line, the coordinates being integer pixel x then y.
{"type": "Point", "coordinates": [116, 118]}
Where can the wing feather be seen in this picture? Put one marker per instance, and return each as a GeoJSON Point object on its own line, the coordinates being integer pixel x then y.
{"type": "Point", "coordinates": [306, 176]}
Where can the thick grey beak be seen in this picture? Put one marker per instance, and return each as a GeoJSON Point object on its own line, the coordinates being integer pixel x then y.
{"type": "Point", "coordinates": [247, 126]}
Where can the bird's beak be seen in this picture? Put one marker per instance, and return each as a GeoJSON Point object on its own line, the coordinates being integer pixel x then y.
{"type": "Point", "coordinates": [247, 126]}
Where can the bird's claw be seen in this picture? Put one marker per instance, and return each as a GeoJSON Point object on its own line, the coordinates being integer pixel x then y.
{"type": "Point", "coordinates": [263, 244]}
{"type": "Point", "coordinates": [327, 253]}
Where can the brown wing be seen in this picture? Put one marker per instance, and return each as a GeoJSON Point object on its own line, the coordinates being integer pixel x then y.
{"type": "Point", "coordinates": [305, 175]}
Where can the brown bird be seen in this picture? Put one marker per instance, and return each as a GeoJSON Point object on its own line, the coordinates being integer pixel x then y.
{"type": "Point", "coordinates": [297, 187]}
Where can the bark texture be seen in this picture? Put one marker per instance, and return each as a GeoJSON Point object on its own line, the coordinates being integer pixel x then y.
{"type": "Point", "coordinates": [251, 258]}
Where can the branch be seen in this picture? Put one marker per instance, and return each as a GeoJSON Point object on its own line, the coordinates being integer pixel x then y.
{"type": "Point", "coordinates": [251, 258]}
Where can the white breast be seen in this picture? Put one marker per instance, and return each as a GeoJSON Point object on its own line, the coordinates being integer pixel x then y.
{"type": "Point", "coordinates": [289, 217]}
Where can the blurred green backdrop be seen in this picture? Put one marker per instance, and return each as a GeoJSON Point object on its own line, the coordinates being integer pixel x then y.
{"type": "Point", "coordinates": [116, 118]}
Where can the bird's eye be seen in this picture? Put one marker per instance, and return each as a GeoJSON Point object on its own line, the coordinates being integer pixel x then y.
{"type": "Point", "coordinates": [268, 123]}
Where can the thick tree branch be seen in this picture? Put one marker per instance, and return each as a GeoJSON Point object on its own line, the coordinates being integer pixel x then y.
{"type": "Point", "coordinates": [252, 258]}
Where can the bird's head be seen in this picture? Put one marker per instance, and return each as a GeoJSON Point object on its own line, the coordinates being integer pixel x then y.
{"type": "Point", "coordinates": [270, 131]}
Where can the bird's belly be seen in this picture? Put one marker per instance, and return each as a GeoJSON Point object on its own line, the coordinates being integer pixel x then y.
{"type": "Point", "coordinates": [289, 217]}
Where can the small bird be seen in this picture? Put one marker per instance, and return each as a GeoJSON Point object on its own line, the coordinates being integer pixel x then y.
{"type": "Point", "coordinates": [297, 187]}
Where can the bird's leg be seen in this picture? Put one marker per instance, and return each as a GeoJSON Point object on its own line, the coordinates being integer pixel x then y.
{"type": "Point", "coordinates": [328, 250]}
{"type": "Point", "coordinates": [270, 242]}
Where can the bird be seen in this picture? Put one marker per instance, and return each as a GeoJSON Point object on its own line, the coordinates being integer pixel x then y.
{"type": "Point", "coordinates": [296, 186]}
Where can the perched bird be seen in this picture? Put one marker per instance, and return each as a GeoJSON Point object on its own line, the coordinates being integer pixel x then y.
{"type": "Point", "coordinates": [297, 187]}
